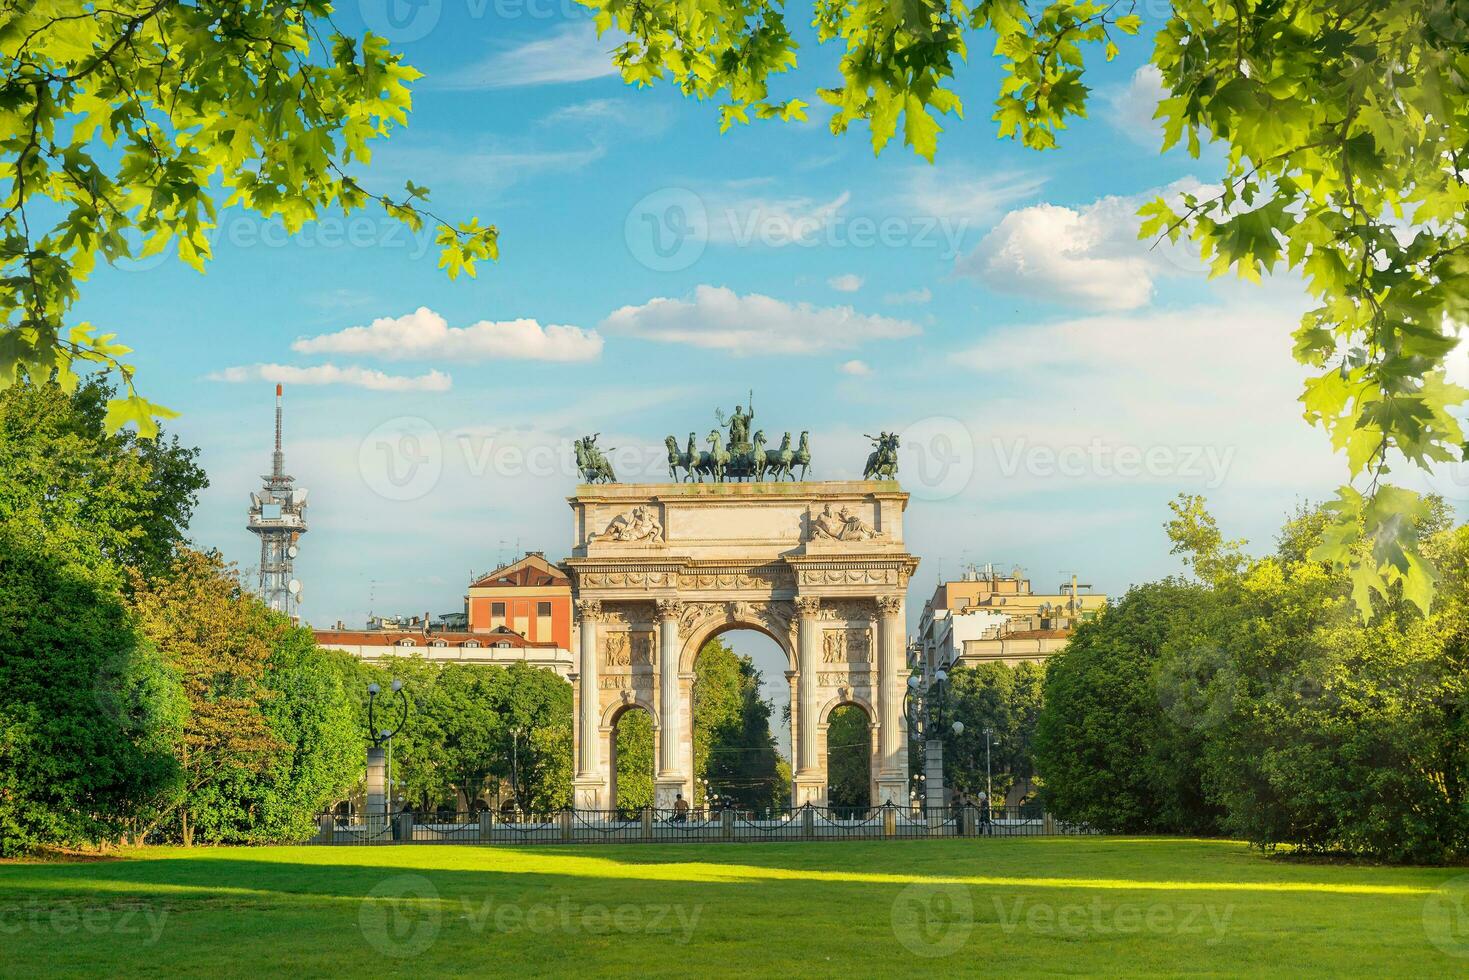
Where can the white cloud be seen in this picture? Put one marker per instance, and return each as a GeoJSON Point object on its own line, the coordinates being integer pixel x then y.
{"type": "Point", "coordinates": [603, 115]}
{"type": "Point", "coordinates": [330, 374]}
{"type": "Point", "coordinates": [425, 334]}
{"type": "Point", "coordinates": [1211, 391]}
{"type": "Point", "coordinates": [856, 369]}
{"type": "Point", "coordinates": [968, 199]}
{"type": "Point", "coordinates": [1131, 107]}
{"type": "Point", "coordinates": [846, 283]}
{"type": "Point", "coordinates": [484, 166]}
{"type": "Point", "coordinates": [716, 317]}
{"type": "Point", "coordinates": [573, 53]}
{"type": "Point", "coordinates": [911, 297]}
{"type": "Point", "coordinates": [1089, 256]}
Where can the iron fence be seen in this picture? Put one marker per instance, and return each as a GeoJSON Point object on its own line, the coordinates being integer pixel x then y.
{"type": "Point", "coordinates": [652, 825]}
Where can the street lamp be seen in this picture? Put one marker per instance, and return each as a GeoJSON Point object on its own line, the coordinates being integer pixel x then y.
{"type": "Point", "coordinates": [988, 789]}
{"type": "Point", "coordinates": [515, 732]}
{"type": "Point", "coordinates": [380, 760]}
{"type": "Point", "coordinates": [924, 706]}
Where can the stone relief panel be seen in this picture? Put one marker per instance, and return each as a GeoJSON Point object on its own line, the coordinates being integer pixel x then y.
{"type": "Point", "coordinates": [850, 647]}
{"type": "Point", "coordinates": [629, 579]}
{"type": "Point", "coordinates": [775, 616]}
{"type": "Point", "coordinates": [849, 610]}
{"type": "Point", "coordinates": [848, 576]}
{"type": "Point", "coordinates": [738, 579]}
{"type": "Point", "coordinates": [626, 650]}
{"type": "Point", "coordinates": [844, 678]}
{"type": "Point", "coordinates": [639, 524]}
{"type": "Point", "coordinates": [842, 524]}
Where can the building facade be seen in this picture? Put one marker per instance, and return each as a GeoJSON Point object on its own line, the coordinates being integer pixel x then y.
{"type": "Point", "coordinates": [988, 617]}
{"type": "Point", "coordinates": [501, 647]}
{"type": "Point", "coordinates": [531, 597]}
{"type": "Point", "coordinates": [519, 613]}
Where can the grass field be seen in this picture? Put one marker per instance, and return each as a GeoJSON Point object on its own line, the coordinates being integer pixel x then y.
{"type": "Point", "coordinates": [850, 909]}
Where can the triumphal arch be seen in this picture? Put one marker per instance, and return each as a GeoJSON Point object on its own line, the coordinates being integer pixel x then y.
{"type": "Point", "coordinates": [659, 569]}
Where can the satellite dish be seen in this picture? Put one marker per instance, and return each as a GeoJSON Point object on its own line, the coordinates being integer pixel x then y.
{"type": "Point", "coordinates": [294, 586]}
{"type": "Point", "coordinates": [291, 552]}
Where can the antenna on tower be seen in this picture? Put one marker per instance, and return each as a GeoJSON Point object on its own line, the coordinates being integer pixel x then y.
{"type": "Point", "coordinates": [278, 459]}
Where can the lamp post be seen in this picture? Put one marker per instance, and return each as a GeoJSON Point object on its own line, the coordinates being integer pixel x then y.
{"type": "Point", "coordinates": [925, 707]}
{"type": "Point", "coordinates": [515, 733]}
{"type": "Point", "coordinates": [379, 759]}
{"type": "Point", "coordinates": [988, 789]}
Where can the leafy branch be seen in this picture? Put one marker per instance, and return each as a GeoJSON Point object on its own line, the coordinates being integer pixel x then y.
{"type": "Point", "coordinates": [148, 117]}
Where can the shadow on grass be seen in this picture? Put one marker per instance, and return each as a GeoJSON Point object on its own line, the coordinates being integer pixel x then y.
{"type": "Point", "coordinates": [1111, 865]}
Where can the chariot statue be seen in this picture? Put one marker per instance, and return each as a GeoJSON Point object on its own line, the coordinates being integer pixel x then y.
{"type": "Point", "coordinates": [737, 454]}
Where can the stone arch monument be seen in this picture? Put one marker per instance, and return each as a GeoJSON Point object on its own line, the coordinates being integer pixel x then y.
{"type": "Point", "coordinates": [659, 569]}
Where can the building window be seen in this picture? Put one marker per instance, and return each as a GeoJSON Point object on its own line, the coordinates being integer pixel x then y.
{"type": "Point", "coordinates": [437, 643]}
{"type": "Point", "coordinates": [497, 610]}
{"type": "Point", "coordinates": [543, 609]}
{"type": "Point", "coordinates": [471, 643]}
{"type": "Point", "coordinates": [502, 646]}
{"type": "Point", "coordinates": [405, 643]}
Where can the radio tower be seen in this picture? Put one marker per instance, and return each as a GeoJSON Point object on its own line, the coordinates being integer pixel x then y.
{"type": "Point", "coordinates": [278, 515]}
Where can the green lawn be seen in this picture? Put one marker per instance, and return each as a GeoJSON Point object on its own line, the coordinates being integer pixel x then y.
{"type": "Point", "coordinates": [849, 909]}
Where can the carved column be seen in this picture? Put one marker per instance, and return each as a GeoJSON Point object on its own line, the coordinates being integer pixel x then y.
{"type": "Point", "coordinates": [590, 781]}
{"type": "Point", "coordinates": [810, 776]}
{"type": "Point", "coordinates": [892, 776]}
{"type": "Point", "coordinates": [670, 779]}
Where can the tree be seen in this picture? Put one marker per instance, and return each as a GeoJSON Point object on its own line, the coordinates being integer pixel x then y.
{"type": "Point", "coordinates": [219, 640]}
{"type": "Point", "coordinates": [314, 720]}
{"type": "Point", "coordinates": [1005, 699]}
{"type": "Point", "coordinates": [538, 704]}
{"type": "Point", "coordinates": [144, 117]}
{"type": "Point", "coordinates": [1344, 128]}
{"type": "Point", "coordinates": [1106, 744]}
{"type": "Point", "coordinates": [106, 502]}
{"type": "Point", "coordinates": [1328, 734]}
{"type": "Point", "coordinates": [88, 710]}
{"type": "Point", "coordinates": [456, 743]}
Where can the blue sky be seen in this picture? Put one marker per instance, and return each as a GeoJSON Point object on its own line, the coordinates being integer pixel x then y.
{"type": "Point", "coordinates": [1057, 382]}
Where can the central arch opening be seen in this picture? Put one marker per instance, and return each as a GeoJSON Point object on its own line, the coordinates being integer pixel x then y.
{"type": "Point", "coordinates": [741, 723]}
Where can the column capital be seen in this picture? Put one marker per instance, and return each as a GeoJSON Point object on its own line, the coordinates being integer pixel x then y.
{"type": "Point", "coordinates": [589, 609]}
{"type": "Point", "coordinates": [807, 605]}
{"type": "Point", "coordinates": [667, 609]}
{"type": "Point", "coordinates": [890, 605]}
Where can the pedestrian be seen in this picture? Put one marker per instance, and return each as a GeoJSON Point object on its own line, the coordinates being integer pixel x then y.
{"type": "Point", "coordinates": [680, 809]}
{"type": "Point", "coordinates": [984, 812]}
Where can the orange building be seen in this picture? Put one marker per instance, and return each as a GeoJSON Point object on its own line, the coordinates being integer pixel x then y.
{"type": "Point", "coordinates": [531, 597]}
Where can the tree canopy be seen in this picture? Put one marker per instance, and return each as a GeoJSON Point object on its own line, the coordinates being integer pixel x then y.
{"type": "Point", "coordinates": [125, 128]}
